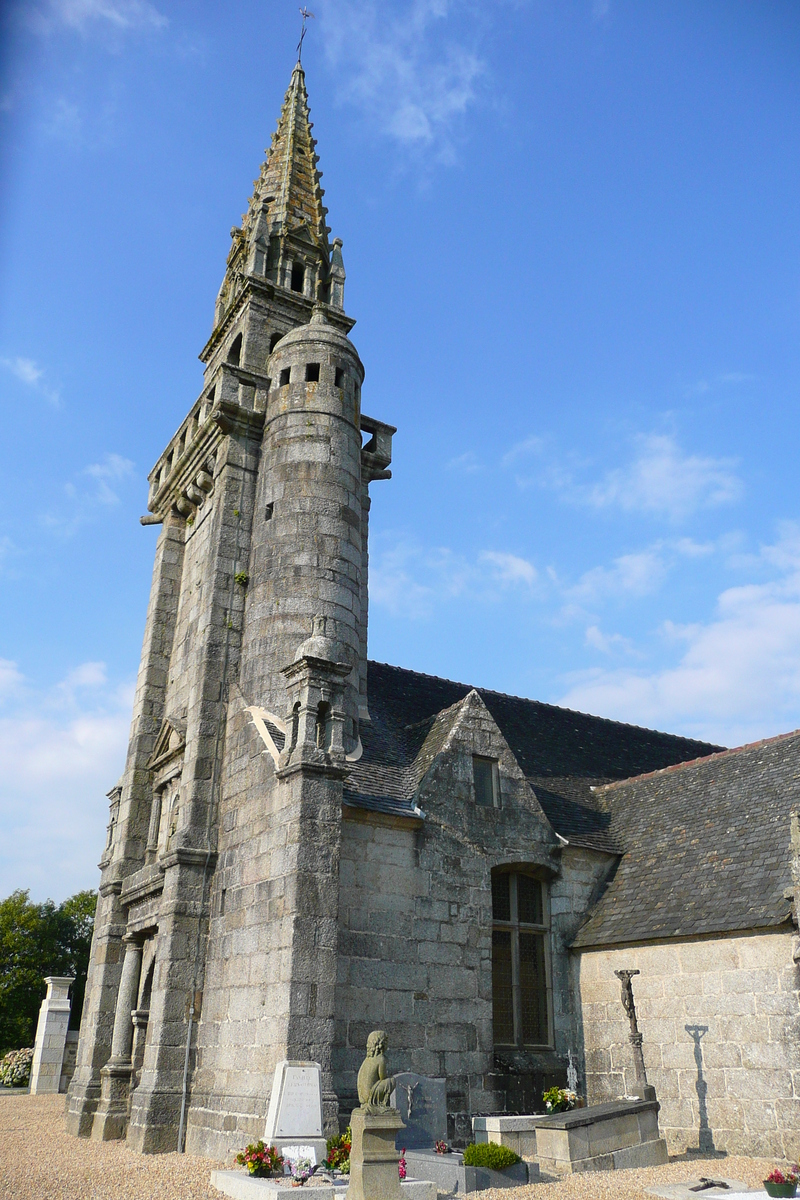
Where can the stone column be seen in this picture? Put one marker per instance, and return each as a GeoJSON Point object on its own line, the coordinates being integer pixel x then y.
{"type": "Point", "coordinates": [51, 1035]}
{"type": "Point", "coordinates": [115, 1078]}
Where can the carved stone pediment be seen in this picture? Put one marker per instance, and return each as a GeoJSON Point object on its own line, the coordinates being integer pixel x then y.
{"type": "Point", "coordinates": [170, 743]}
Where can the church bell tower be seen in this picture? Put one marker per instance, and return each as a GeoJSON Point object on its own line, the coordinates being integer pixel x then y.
{"type": "Point", "coordinates": [215, 945]}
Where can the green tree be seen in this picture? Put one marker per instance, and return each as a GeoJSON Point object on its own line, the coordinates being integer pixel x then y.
{"type": "Point", "coordinates": [38, 940]}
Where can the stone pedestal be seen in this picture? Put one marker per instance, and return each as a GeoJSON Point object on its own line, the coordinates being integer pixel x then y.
{"type": "Point", "coordinates": [51, 1036]}
{"type": "Point", "coordinates": [373, 1157]}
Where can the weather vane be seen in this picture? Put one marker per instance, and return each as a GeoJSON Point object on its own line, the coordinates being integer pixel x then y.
{"type": "Point", "coordinates": [305, 14]}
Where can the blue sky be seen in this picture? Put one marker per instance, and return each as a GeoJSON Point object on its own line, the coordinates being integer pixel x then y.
{"type": "Point", "coordinates": [573, 251]}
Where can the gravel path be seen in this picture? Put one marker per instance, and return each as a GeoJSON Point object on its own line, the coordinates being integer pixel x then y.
{"type": "Point", "coordinates": [39, 1161]}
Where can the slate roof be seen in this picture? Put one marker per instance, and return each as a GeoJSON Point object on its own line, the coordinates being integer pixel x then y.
{"type": "Point", "coordinates": [707, 847]}
{"type": "Point", "coordinates": [562, 753]}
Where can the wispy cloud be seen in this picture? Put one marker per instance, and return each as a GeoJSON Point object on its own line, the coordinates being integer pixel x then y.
{"type": "Point", "coordinates": [664, 480]}
{"type": "Point", "coordinates": [738, 676]}
{"type": "Point", "coordinates": [99, 484]}
{"type": "Point", "coordinates": [465, 464]}
{"type": "Point", "coordinates": [608, 643]}
{"type": "Point", "coordinates": [630, 575]}
{"type": "Point", "coordinates": [402, 66]}
{"type": "Point", "coordinates": [114, 469]}
{"type": "Point", "coordinates": [29, 372]}
{"type": "Point", "coordinates": [119, 16]}
{"type": "Point", "coordinates": [62, 748]}
{"type": "Point", "coordinates": [411, 581]}
{"type": "Point", "coordinates": [510, 568]}
{"type": "Point", "coordinates": [660, 479]}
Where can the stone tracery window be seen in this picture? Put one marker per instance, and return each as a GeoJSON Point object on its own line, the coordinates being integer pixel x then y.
{"type": "Point", "coordinates": [520, 929]}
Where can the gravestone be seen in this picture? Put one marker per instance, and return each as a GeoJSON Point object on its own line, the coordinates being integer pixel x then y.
{"type": "Point", "coordinates": [294, 1119]}
{"type": "Point", "coordinates": [422, 1104]}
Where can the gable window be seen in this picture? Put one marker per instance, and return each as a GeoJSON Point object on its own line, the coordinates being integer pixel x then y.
{"type": "Point", "coordinates": [519, 960]}
{"type": "Point", "coordinates": [486, 779]}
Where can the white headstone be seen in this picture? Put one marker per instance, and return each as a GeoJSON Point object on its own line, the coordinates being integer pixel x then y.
{"type": "Point", "coordinates": [295, 1105]}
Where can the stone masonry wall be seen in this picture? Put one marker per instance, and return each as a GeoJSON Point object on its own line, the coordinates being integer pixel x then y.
{"type": "Point", "coordinates": [721, 1025]}
{"type": "Point", "coordinates": [415, 910]}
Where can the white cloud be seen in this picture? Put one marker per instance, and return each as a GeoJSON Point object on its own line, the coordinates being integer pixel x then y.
{"type": "Point", "coordinates": [410, 580]}
{"type": "Point", "coordinates": [607, 643]}
{"type": "Point", "coordinates": [113, 469]}
{"type": "Point", "coordinates": [83, 501]}
{"type": "Point", "coordinates": [120, 16]}
{"type": "Point", "coordinates": [27, 371]}
{"type": "Point", "coordinates": [509, 568]}
{"type": "Point", "coordinates": [62, 748]}
{"type": "Point", "coordinates": [529, 445]}
{"type": "Point", "coordinates": [663, 480]}
{"type": "Point", "coordinates": [465, 464]}
{"type": "Point", "coordinates": [631, 575]}
{"type": "Point", "coordinates": [738, 677]}
{"type": "Point", "coordinates": [402, 68]}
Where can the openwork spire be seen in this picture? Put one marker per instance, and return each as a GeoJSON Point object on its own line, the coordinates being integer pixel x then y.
{"type": "Point", "coordinates": [288, 187]}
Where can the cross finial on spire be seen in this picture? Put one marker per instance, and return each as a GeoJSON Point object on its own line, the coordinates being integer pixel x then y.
{"type": "Point", "coordinates": [305, 14]}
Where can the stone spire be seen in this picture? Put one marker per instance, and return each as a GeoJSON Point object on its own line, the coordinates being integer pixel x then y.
{"type": "Point", "coordinates": [289, 179]}
{"type": "Point", "coordinates": [283, 238]}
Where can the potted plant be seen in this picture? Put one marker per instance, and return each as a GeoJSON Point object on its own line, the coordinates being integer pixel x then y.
{"type": "Point", "coordinates": [261, 1160]}
{"type": "Point", "coordinates": [782, 1183]}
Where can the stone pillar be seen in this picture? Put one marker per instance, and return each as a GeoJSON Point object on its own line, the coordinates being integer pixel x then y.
{"type": "Point", "coordinates": [110, 1120]}
{"type": "Point", "coordinates": [51, 1036]}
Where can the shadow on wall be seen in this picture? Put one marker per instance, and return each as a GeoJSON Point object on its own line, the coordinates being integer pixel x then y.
{"type": "Point", "coordinates": [705, 1137]}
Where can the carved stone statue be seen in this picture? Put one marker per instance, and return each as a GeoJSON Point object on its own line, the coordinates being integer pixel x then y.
{"type": "Point", "coordinates": [375, 1125]}
{"type": "Point", "coordinates": [375, 1085]}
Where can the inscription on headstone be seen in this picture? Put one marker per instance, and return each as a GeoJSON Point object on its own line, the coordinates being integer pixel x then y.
{"type": "Point", "coordinates": [422, 1103]}
{"type": "Point", "coordinates": [295, 1105]}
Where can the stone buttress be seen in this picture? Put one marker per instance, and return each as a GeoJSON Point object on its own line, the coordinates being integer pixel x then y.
{"type": "Point", "coordinates": [214, 953]}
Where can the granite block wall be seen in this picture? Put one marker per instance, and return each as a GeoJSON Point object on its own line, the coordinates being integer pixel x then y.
{"type": "Point", "coordinates": [720, 1019]}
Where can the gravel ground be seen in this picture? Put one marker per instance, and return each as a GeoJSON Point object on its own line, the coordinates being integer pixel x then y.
{"type": "Point", "coordinates": [39, 1161]}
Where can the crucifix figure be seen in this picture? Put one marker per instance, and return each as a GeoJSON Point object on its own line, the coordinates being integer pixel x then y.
{"type": "Point", "coordinates": [643, 1089]}
{"type": "Point", "coordinates": [305, 14]}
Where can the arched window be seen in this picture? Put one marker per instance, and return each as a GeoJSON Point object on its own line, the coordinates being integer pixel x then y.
{"type": "Point", "coordinates": [235, 352]}
{"type": "Point", "coordinates": [298, 276]}
{"type": "Point", "coordinates": [323, 726]}
{"type": "Point", "coordinates": [520, 954]}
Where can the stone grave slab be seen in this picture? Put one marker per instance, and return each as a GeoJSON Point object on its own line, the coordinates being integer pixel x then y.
{"type": "Point", "coordinates": [294, 1118]}
{"type": "Point", "coordinates": [241, 1186]}
{"type": "Point", "coordinates": [686, 1189]}
{"type": "Point", "coordinates": [422, 1104]}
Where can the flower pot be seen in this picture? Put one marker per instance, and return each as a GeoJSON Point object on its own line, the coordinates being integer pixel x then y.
{"type": "Point", "coordinates": [780, 1189]}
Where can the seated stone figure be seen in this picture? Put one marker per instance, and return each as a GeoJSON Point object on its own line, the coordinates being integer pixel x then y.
{"type": "Point", "coordinates": [375, 1086]}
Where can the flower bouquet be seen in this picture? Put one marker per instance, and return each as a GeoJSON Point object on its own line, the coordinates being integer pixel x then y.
{"type": "Point", "coordinates": [401, 1166]}
{"type": "Point", "coordinates": [558, 1100]}
{"type": "Point", "coordinates": [782, 1183]}
{"type": "Point", "coordinates": [301, 1171]}
{"type": "Point", "coordinates": [339, 1147]}
{"type": "Point", "coordinates": [442, 1148]}
{"type": "Point", "coordinates": [15, 1068]}
{"type": "Point", "coordinates": [261, 1160]}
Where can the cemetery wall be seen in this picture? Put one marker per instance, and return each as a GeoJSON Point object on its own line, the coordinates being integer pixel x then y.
{"type": "Point", "coordinates": [721, 1026]}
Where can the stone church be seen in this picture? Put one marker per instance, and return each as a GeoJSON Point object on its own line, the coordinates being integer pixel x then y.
{"type": "Point", "coordinates": [306, 845]}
